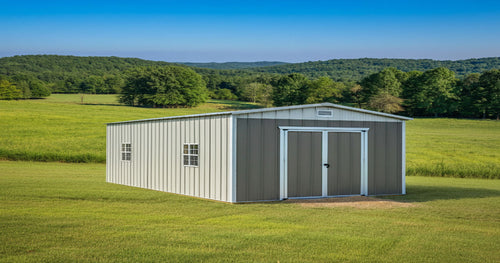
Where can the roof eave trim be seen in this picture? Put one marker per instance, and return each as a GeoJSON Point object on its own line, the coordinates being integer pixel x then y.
{"type": "Point", "coordinates": [176, 117]}
{"type": "Point", "coordinates": [326, 104]}
{"type": "Point", "coordinates": [370, 112]}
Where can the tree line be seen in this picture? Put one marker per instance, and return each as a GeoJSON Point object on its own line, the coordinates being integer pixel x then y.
{"type": "Point", "coordinates": [432, 92]}
{"type": "Point", "coordinates": [356, 69]}
{"type": "Point", "coordinates": [22, 87]}
{"type": "Point", "coordinates": [73, 74]}
{"type": "Point", "coordinates": [435, 92]}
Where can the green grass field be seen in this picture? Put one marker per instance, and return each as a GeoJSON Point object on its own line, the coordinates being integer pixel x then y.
{"type": "Point", "coordinates": [453, 147]}
{"type": "Point", "coordinates": [57, 212]}
{"type": "Point", "coordinates": [61, 128]}
{"type": "Point", "coordinates": [66, 212]}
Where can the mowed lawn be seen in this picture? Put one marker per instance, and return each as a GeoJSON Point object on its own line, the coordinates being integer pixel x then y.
{"type": "Point", "coordinates": [453, 147]}
{"type": "Point", "coordinates": [66, 212]}
{"type": "Point", "coordinates": [61, 128]}
{"type": "Point", "coordinates": [59, 212]}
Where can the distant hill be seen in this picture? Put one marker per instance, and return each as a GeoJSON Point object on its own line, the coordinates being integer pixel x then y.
{"type": "Point", "coordinates": [356, 69]}
{"type": "Point", "coordinates": [53, 68]}
{"type": "Point", "coordinates": [233, 65]}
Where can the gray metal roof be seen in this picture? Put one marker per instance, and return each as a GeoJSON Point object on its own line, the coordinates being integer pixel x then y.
{"type": "Point", "coordinates": [326, 104]}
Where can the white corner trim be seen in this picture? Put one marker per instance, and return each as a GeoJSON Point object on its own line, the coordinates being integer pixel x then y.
{"type": "Point", "coordinates": [403, 158]}
{"type": "Point", "coordinates": [233, 163]}
{"type": "Point", "coordinates": [283, 168]}
{"type": "Point", "coordinates": [364, 163]}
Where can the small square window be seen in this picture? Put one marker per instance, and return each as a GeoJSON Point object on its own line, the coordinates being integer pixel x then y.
{"type": "Point", "coordinates": [190, 154]}
{"type": "Point", "coordinates": [126, 151]}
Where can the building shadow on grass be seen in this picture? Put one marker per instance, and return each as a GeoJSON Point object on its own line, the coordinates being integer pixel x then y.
{"type": "Point", "coordinates": [414, 195]}
{"type": "Point", "coordinates": [420, 193]}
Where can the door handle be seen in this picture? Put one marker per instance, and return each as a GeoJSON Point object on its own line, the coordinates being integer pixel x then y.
{"type": "Point", "coordinates": [327, 165]}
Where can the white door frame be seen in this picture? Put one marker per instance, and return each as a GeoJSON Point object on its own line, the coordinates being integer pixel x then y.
{"type": "Point", "coordinates": [324, 154]}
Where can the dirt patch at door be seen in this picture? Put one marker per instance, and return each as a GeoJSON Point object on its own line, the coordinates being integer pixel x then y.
{"type": "Point", "coordinates": [362, 202]}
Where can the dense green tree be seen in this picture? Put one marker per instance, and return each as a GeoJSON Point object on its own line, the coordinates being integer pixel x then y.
{"type": "Point", "coordinates": [489, 82]}
{"type": "Point", "coordinates": [258, 92]}
{"type": "Point", "coordinates": [113, 84]}
{"type": "Point", "coordinates": [324, 89]}
{"type": "Point", "coordinates": [212, 81]}
{"type": "Point", "coordinates": [439, 85]}
{"type": "Point", "coordinates": [8, 90]}
{"type": "Point", "coordinates": [387, 81]}
{"type": "Point", "coordinates": [472, 96]}
{"type": "Point", "coordinates": [290, 90]}
{"type": "Point", "coordinates": [224, 94]}
{"type": "Point", "coordinates": [229, 85]}
{"type": "Point", "coordinates": [39, 89]}
{"type": "Point", "coordinates": [170, 86]}
{"type": "Point", "coordinates": [431, 93]}
{"type": "Point", "coordinates": [385, 102]}
{"type": "Point", "coordinates": [414, 95]}
{"type": "Point", "coordinates": [24, 87]}
{"type": "Point", "coordinates": [31, 87]}
{"type": "Point", "coordinates": [93, 85]}
{"type": "Point", "coordinates": [266, 95]}
{"type": "Point", "coordinates": [351, 94]}
{"type": "Point", "coordinates": [252, 91]}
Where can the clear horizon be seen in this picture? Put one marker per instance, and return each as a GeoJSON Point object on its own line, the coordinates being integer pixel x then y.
{"type": "Point", "coordinates": [228, 31]}
{"type": "Point", "coordinates": [256, 61]}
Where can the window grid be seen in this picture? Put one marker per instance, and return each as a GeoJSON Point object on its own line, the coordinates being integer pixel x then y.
{"type": "Point", "coordinates": [126, 151]}
{"type": "Point", "coordinates": [190, 154]}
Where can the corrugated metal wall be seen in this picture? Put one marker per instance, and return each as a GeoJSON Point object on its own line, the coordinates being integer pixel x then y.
{"type": "Point", "coordinates": [258, 155]}
{"type": "Point", "coordinates": [157, 161]}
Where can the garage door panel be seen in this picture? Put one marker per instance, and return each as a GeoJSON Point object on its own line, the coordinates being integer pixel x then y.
{"type": "Point", "coordinates": [344, 157]}
{"type": "Point", "coordinates": [304, 164]}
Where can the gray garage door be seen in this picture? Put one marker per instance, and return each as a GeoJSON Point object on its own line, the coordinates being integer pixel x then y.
{"type": "Point", "coordinates": [304, 164]}
{"type": "Point", "coordinates": [344, 158]}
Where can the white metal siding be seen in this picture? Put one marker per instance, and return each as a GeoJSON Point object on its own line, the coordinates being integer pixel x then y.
{"type": "Point", "coordinates": [157, 161]}
{"type": "Point", "coordinates": [311, 114]}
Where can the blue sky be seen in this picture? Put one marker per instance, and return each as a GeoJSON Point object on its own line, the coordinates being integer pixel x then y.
{"type": "Point", "coordinates": [219, 31]}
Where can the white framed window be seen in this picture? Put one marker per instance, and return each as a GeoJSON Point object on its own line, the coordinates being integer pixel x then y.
{"type": "Point", "coordinates": [190, 154]}
{"type": "Point", "coordinates": [126, 151]}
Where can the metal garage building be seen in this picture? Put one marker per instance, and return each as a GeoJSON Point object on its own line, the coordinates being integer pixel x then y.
{"type": "Point", "coordinates": [316, 150]}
